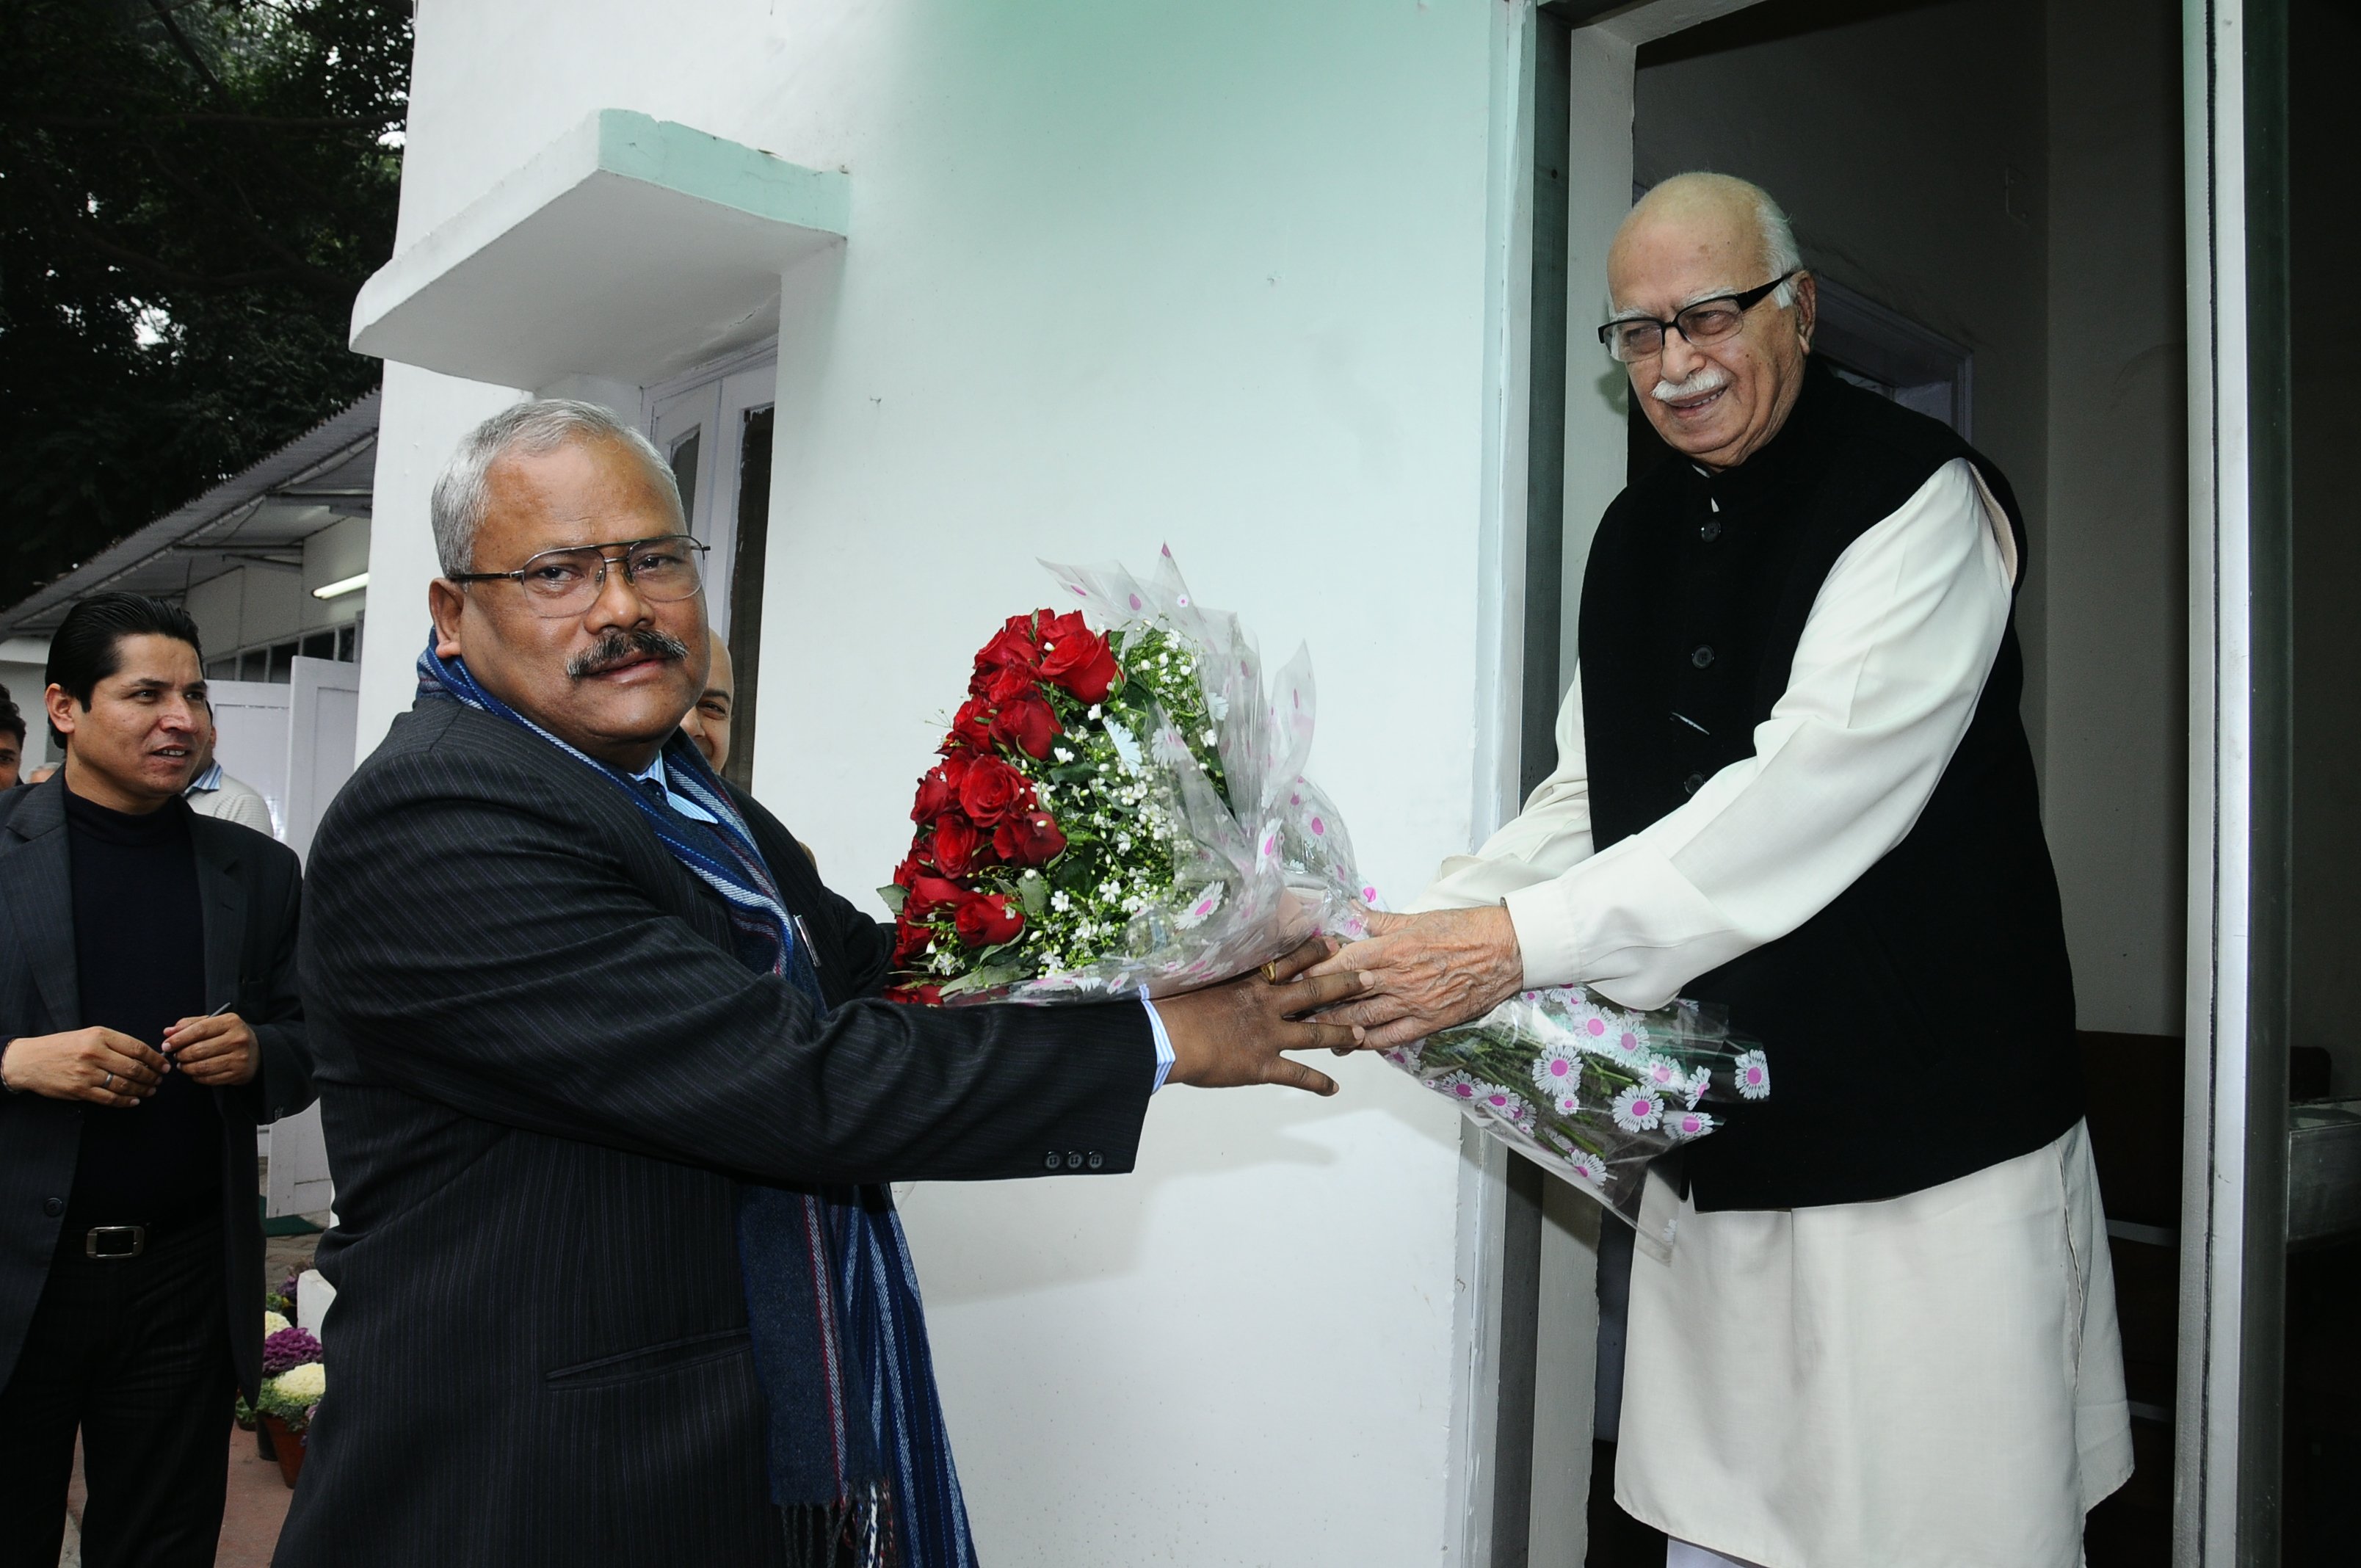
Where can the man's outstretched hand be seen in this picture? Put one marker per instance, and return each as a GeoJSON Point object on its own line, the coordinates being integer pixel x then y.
{"type": "Point", "coordinates": [1424, 972]}
{"type": "Point", "coordinates": [1232, 1034]}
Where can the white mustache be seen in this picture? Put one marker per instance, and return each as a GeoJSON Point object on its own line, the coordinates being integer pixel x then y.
{"type": "Point", "coordinates": [1709, 379]}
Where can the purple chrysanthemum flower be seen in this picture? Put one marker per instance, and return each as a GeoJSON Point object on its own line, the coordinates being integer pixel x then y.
{"type": "Point", "coordinates": [288, 1347]}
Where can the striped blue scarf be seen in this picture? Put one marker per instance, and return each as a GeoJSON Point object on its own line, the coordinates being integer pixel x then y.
{"type": "Point", "coordinates": [860, 1465]}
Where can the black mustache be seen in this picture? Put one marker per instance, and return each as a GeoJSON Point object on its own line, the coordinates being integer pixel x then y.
{"type": "Point", "coordinates": [618, 647]}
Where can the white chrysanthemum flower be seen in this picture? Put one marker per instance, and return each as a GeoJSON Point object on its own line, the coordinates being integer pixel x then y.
{"type": "Point", "coordinates": [1753, 1074]}
{"type": "Point", "coordinates": [1558, 1070]}
{"type": "Point", "coordinates": [1584, 1166]}
{"type": "Point", "coordinates": [303, 1385]}
{"type": "Point", "coordinates": [1506, 1103]}
{"type": "Point", "coordinates": [272, 1323]}
{"type": "Point", "coordinates": [1638, 1108]}
{"type": "Point", "coordinates": [1567, 1105]}
{"type": "Point", "coordinates": [1195, 912]}
{"type": "Point", "coordinates": [1665, 1077]}
{"type": "Point", "coordinates": [1610, 1031]}
{"type": "Point", "coordinates": [1459, 1087]}
{"type": "Point", "coordinates": [1688, 1123]}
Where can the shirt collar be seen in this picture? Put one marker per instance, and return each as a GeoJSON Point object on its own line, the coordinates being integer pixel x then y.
{"type": "Point", "coordinates": [211, 779]}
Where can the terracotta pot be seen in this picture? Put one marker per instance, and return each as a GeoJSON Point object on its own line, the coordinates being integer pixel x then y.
{"type": "Point", "coordinates": [287, 1446]}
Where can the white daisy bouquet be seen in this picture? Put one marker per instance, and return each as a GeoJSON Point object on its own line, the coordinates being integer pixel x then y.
{"type": "Point", "coordinates": [1119, 803]}
{"type": "Point", "coordinates": [1592, 1091]}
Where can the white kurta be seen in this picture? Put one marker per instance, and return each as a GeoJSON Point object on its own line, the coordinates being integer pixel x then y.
{"type": "Point", "coordinates": [1935, 1379]}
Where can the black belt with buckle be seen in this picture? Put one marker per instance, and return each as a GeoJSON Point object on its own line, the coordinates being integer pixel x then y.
{"type": "Point", "coordinates": [114, 1241]}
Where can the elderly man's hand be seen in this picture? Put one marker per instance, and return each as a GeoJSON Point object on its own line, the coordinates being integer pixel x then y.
{"type": "Point", "coordinates": [1424, 972]}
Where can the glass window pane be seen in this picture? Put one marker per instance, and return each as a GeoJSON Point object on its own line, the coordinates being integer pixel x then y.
{"type": "Point", "coordinates": [684, 473]}
{"type": "Point", "coordinates": [745, 588]}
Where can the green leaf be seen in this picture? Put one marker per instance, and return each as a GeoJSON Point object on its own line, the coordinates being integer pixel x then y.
{"type": "Point", "coordinates": [1033, 889]}
{"type": "Point", "coordinates": [895, 894]}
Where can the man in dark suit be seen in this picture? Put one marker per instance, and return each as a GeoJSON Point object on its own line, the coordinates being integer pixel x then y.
{"type": "Point", "coordinates": [589, 1028]}
{"type": "Point", "coordinates": [148, 1021]}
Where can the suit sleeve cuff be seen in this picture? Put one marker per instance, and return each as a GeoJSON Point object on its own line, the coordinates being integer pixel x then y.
{"type": "Point", "coordinates": [1163, 1042]}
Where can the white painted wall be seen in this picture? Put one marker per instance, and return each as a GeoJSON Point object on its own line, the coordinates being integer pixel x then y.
{"type": "Point", "coordinates": [1212, 275]}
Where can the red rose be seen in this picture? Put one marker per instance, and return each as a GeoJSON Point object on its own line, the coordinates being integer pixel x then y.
{"type": "Point", "coordinates": [937, 790]}
{"type": "Point", "coordinates": [915, 995]}
{"type": "Point", "coordinates": [988, 920]}
{"type": "Point", "coordinates": [991, 790]}
{"type": "Point", "coordinates": [957, 847]}
{"type": "Point", "coordinates": [1011, 646]}
{"type": "Point", "coordinates": [909, 942]}
{"type": "Point", "coordinates": [1027, 723]}
{"type": "Point", "coordinates": [1028, 838]}
{"type": "Point", "coordinates": [1004, 685]}
{"type": "Point", "coordinates": [929, 893]}
{"type": "Point", "coordinates": [1077, 658]}
{"type": "Point", "coordinates": [972, 726]}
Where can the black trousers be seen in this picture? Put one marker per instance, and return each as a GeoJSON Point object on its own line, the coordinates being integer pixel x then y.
{"type": "Point", "coordinates": [134, 1353]}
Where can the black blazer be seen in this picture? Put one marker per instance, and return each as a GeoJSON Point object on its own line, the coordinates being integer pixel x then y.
{"type": "Point", "coordinates": [544, 1077]}
{"type": "Point", "coordinates": [251, 888]}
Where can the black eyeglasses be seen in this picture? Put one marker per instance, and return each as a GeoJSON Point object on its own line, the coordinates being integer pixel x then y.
{"type": "Point", "coordinates": [568, 582]}
{"type": "Point", "coordinates": [1708, 321]}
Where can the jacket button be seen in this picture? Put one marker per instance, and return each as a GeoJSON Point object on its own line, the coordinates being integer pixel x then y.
{"type": "Point", "coordinates": [1701, 656]}
{"type": "Point", "coordinates": [1709, 529]}
{"type": "Point", "coordinates": [1051, 1163]}
{"type": "Point", "coordinates": [53, 1207]}
{"type": "Point", "coordinates": [1097, 1159]}
{"type": "Point", "coordinates": [1074, 1159]}
{"type": "Point", "coordinates": [1693, 784]}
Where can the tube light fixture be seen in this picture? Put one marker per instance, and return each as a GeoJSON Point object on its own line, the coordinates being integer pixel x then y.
{"type": "Point", "coordinates": [340, 587]}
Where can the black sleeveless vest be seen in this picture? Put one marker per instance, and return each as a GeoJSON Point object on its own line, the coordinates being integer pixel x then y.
{"type": "Point", "coordinates": [1921, 1026]}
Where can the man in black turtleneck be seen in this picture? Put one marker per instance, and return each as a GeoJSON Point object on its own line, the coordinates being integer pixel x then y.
{"type": "Point", "coordinates": [148, 1021]}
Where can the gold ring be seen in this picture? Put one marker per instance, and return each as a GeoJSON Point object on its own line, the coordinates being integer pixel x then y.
{"type": "Point", "coordinates": [1270, 972]}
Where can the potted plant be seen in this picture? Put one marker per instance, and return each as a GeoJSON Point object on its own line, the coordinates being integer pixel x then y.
{"type": "Point", "coordinates": [293, 1380]}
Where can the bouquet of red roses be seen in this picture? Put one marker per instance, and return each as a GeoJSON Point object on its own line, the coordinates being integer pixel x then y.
{"type": "Point", "coordinates": [1118, 805]}
{"type": "Point", "coordinates": [1121, 804]}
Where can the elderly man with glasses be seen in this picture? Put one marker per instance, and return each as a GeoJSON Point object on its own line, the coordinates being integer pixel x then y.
{"type": "Point", "coordinates": [1872, 1321]}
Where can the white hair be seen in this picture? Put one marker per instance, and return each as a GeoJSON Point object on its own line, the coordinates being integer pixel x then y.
{"type": "Point", "coordinates": [1778, 245]}
{"type": "Point", "coordinates": [461, 492]}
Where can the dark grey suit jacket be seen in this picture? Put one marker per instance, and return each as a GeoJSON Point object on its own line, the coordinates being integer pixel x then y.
{"type": "Point", "coordinates": [251, 888]}
{"type": "Point", "coordinates": [545, 1077]}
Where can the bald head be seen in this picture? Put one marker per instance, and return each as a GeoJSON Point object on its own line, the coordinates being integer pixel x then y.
{"type": "Point", "coordinates": [1693, 239]}
{"type": "Point", "coordinates": [708, 722]}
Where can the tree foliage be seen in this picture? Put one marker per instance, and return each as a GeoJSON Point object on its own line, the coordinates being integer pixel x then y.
{"type": "Point", "coordinates": [191, 193]}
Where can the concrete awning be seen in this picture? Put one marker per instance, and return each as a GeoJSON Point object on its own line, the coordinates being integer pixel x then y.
{"type": "Point", "coordinates": [630, 247]}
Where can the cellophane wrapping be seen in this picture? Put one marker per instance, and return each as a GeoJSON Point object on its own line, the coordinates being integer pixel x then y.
{"type": "Point", "coordinates": [1213, 776]}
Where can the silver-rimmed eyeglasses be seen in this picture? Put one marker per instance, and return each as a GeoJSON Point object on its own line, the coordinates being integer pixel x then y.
{"type": "Point", "coordinates": [569, 581]}
{"type": "Point", "coordinates": [1708, 321]}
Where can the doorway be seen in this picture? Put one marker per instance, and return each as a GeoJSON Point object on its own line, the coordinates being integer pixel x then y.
{"type": "Point", "coordinates": [2003, 182]}
{"type": "Point", "coordinates": [714, 425]}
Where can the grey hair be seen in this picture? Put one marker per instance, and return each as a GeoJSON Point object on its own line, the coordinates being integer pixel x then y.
{"type": "Point", "coordinates": [462, 493]}
{"type": "Point", "coordinates": [1778, 245]}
